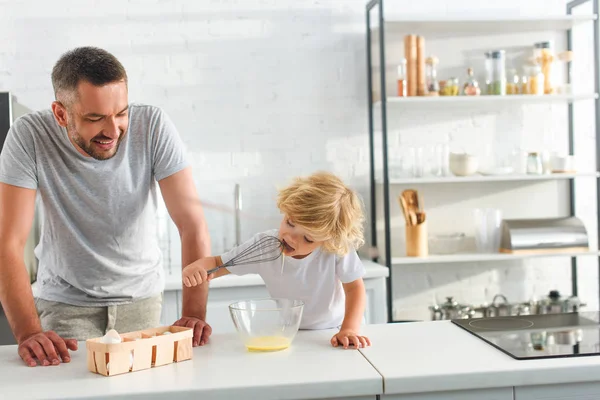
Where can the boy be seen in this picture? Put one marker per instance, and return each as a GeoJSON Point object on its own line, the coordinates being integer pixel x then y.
{"type": "Point", "coordinates": [321, 228]}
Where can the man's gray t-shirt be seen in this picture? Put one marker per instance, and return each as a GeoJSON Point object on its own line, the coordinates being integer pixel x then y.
{"type": "Point", "coordinates": [98, 242]}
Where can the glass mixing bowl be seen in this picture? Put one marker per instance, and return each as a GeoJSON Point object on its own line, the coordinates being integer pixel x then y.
{"type": "Point", "coordinates": [267, 324]}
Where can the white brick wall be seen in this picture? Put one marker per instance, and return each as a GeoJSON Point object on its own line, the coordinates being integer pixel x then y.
{"type": "Point", "coordinates": [263, 90]}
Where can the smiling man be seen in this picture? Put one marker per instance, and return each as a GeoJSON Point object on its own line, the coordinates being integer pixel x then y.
{"type": "Point", "coordinates": [95, 160]}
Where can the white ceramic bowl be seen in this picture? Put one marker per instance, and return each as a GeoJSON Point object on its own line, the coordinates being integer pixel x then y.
{"type": "Point", "coordinates": [462, 164]}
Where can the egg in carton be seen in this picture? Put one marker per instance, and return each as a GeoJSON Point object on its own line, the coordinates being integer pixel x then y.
{"type": "Point", "coordinates": [116, 353]}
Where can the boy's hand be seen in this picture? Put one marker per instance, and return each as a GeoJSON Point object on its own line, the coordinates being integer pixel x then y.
{"type": "Point", "coordinates": [195, 274]}
{"type": "Point", "coordinates": [347, 337]}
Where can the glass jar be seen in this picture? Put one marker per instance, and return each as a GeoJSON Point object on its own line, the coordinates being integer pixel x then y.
{"type": "Point", "coordinates": [450, 88]}
{"type": "Point", "coordinates": [471, 86]}
{"type": "Point", "coordinates": [496, 64]}
{"type": "Point", "coordinates": [525, 81]}
{"type": "Point", "coordinates": [535, 81]}
{"type": "Point", "coordinates": [534, 164]}
{"type": "Point", "coordinates": [433, 87]}
{"type": "Point", "coordinates": [544, 57]}
{"type": "Point", "coordinates": [513, 82]}
{"type": "Point", "coordinates": [488, 71]}
{"type": "Point", "coordinates": [402, 78]}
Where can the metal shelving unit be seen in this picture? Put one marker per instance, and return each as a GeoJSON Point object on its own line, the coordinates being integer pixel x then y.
{"type": "Point", "coordinates": [376, 29]}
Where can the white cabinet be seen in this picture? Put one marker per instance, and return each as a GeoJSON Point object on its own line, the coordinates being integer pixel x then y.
{"type": "Point", "coordinates": [568, 391]}
{"type": "Point", "coordinates": [477, 394]}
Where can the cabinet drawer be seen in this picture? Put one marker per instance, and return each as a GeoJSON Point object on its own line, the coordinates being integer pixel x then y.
{"type": "Point", "coordinates": [569, 391]}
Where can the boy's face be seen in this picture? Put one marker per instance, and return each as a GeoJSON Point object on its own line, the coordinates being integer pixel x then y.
{"type": "Point", "coordinates": [297, 242]}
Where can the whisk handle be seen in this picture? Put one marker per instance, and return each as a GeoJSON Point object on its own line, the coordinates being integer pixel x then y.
{"type": "Point", "coordinates": [212, 271]}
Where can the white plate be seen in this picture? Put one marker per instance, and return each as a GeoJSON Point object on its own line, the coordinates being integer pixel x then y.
{"type": "Point", "coordinates": [498, 171]}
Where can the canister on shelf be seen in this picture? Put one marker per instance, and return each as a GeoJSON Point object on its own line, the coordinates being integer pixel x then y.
{"type": "Point", "coordinates": [513, 82]}
{"type": "Point", "coordinates": [524, 89]}
{"type": "Point", "coordinates": [402, 78]}
{"type": "Point", "coordinates": [410, 53]}
{"type": "Point", "coordinates": [433, 87]}
{"type": "Point", "coordinates": [535, 80]}
{"type": "Point", "coordinates": [421, 80]}
{"type": "Point", "coordinates": [544, 58]}
{"type": "Point", "coordinates": [450, 88]}
{"type": "Point", "coordinates": [496, 64]}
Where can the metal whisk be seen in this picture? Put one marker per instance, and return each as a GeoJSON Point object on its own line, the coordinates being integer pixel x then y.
{"type": "Point", "coordinates": [268, 248]}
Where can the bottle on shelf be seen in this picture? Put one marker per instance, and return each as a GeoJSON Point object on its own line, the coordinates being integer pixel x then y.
{"type": "Point", "coordinates": [544, 57]}
{"type": "Point", "coordinates": [402, 78]}
{"type": "Point", "coordinates": [433, 86]}
{"type": "Point", "coordinates": [471, 86]}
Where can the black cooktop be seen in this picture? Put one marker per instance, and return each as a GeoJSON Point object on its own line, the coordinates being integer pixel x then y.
{"type": "Point", "coordinates": [529, 337]}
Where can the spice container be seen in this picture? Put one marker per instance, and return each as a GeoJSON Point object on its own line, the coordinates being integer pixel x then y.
{"type": "Point", "coordinates": [534, 164]}
{"type": "Point", "coordinates": [402, 78]}
{"type": "Point", "coordinates": [544, 58]}
{"type": "Point", "coordinates": [450, 88]}
{"type": "Point", "coordinates": [535, 81]}
{"type": "Point", "coordinates": [496, 72]}
{"type": "Point", "coordinates": [471, 86]}
{"type": "Point", "coordinates": [513, 82]}
{"type": "Point", "coordinates": [433, 87]}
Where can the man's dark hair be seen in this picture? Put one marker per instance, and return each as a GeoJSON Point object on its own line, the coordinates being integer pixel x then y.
{"type": "Point", "coordinates": [92, 64]}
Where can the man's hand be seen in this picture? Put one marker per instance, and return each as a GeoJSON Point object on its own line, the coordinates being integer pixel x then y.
{"type": "Point", "coordinates": [202, 330]}
{"type": "Point", "coordinates": [345, 337]}
{"type": "Point", "coordinates": [44, 346]}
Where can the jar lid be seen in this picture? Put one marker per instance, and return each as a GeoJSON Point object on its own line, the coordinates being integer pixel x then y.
{"type": "Point", "coordinates": [534, 154]}
{"type": "Point", "coordinates": [542, 45]}
{"type": "Point", "coordinates": [497, 53]}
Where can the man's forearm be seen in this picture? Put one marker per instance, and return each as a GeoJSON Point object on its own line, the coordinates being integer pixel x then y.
{"type": "Point", "coordinates": [195, 245]}
{"type": "Point", "coordinates": [16, 295]}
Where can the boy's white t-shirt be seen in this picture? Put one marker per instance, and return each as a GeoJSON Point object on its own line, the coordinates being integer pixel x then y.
{"type": "Point", "coordinates": [316, 280]}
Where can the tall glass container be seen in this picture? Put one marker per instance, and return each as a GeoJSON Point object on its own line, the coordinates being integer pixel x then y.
{"type": "Point", "coordinates": [496, 72]}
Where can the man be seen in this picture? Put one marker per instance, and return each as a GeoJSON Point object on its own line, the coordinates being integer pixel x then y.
{"type": "Point", "coordinates": [95, 160]}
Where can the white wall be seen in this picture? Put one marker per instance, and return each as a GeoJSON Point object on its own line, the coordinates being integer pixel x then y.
{"type": "Point", "coordinates": [263, 90]}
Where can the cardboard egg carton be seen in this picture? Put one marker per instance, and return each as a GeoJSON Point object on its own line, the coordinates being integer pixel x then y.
{"type": "Point", "coordinates": [140, 350]}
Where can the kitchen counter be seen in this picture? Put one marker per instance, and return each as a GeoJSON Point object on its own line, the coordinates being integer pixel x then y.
{"type": "Point", "coordinates": [309, 369]}
{"type": "Point", "coordinates": [173, 281]}
{"type": "Point", "coordinates": [439, 356]}
{"type": "Point", "coordinates": [426, 360]}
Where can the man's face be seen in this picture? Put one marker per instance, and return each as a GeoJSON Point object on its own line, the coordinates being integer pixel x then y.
{"type": "Point", "coordinates": [97, 119]}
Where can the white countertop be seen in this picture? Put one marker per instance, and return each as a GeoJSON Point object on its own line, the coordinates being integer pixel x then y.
{"type": "Point", "coordinates": [173, 281]}
{"type": "Point", "coordinates": [420, 357]}
{"type": "Point", "coordinates": [439, 356]}
{"type": "Point", "coordinates": [223, 369]}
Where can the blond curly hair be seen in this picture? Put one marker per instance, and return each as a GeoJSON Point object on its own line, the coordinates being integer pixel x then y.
{"type": "Point", "coordinates": [329, 211]}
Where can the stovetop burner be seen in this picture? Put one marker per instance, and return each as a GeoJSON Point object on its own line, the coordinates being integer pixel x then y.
{"type": "Point", "coordinates": [539, 336]}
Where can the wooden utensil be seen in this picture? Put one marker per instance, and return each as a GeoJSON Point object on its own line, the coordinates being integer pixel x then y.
{"type": "Point", "coordinates": [408, 199]}
{"type": "Point", "coordinates": [404, 208]}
